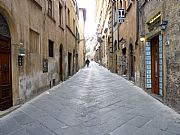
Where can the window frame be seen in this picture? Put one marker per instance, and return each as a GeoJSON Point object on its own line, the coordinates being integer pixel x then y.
{"type": "Point", "coordinates": [51, 48]}
{"type": "Point", "coordinates": [60, 15]}
{"type": "Point", "coordinates": [68, 15]}
{"type": "Point", "coordinates": [34, 42]}
{"type": "Point", "coordinates": [50, 8]}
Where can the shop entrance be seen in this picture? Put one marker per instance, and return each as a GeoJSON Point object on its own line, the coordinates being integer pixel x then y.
{"type": "Point", "coordinates": [155, 64]}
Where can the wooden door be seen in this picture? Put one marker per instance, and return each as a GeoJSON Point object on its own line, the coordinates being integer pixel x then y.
{"type": "Point", "coordinates": [155, 65]}
{"type": "Point", "coordinates": [5, 74]}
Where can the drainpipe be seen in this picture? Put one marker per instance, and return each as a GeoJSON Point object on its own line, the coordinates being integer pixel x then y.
{"type": "Point", "coordinates": [118, 34]}
{"type": "Point", "coordinates": [112, 36]}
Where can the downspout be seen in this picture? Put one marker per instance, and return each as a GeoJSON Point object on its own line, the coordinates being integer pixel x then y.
{"type": "Point", "coordinates": [118, 34]}
{"type": "Point", "coordinates": [112, 37]}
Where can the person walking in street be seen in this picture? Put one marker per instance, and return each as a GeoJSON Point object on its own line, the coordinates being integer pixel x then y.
{"type": "Point", "coordinates": [87, 62]}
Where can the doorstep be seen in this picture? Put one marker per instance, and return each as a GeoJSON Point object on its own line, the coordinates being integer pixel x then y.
{"type": "Point", "coordinates": [5, 112]}
{"type": "Point", "coordinates": [157, 97]}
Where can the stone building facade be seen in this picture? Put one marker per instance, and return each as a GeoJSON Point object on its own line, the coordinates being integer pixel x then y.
{"type": "Point", "coordinates": [145, 47]}
{"type": "Point", "coordinates": [159, 24]}
{"type": "Point", "coordinates": [102, 20]}
{"type": "Point", "coordinates": [127, 40]}
{"type": "Point", "coordinates": [120, 39]}
{"type": "Point", "coordinates": [82, 47]}
{"type": "Point", "coordinates": [38, 47]}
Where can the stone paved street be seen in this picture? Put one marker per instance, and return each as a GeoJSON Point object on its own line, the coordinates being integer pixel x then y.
{"type": "Point", "coordinates": [92, 102]}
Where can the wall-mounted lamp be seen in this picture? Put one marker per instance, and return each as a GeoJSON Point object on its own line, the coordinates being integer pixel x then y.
{"type": "Point", "coordinates": [163, 25]}
{"type": "Point", "coordinates": [142, 38]}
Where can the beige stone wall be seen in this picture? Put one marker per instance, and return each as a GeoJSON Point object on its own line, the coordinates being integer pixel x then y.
{"type": "Point", "coordinates": [102, 19]}
{"type": "Point", "coordinates": [24, 16]}
{"type": "Point", "coordinates": [127, 36]}
{"type": "Point", "coordinates": [82, 47]}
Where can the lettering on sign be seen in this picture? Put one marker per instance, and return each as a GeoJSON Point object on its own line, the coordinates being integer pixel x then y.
{"type": "Point", "coordinates": [121, 15]}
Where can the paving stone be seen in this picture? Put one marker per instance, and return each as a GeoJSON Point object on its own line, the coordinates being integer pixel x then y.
{"type": "Point", "coordinates": [147, 131]}
{"type": "Point", "coordinates": [20, 132]}
{"type": "Point", "coordinates": [23, 119]}
{"type": "Point", "coordinates": [68, 131]}
{"type": "Point", "coordinates": [124, 130]}
{"type": "Point", "coordinates": [138, 121]}
{"type": "Point", "coordinates": [51, 123]}
{"type": "Point", "coordinates": [37, 129]}
{"type": "Point", "coordinates": [8, 125]}
{"type": "Point", "coordinates": [174, 128]}
{"type": "Point", "coordinates": [165, 133]}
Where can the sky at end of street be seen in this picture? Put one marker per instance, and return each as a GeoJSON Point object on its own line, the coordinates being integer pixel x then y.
{"type": "Point", "coordinates": [90, 26]}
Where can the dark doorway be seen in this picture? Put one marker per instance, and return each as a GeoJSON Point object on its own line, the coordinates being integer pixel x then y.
{"type": "Point", "coordinates": [5, 74]}
{"type": "Point", "coordinates": [5, 66]}
{"type": "Point", "coordinates": [124, 62]}
{"type": "Point", "coordinates": [155, 64]}
{"type": "Point", "coordinates": [73, 61]}
{"type": "Point", "coordinates": [131, 63]}
{"type": "Point", "coordinates": [61, 63]}
{"type": "Point", "coordinates": [77, 62]}
{"type": "Point", "coordinates": [116, 63]}
{"type": "Point", "coordinates": [69, 63]}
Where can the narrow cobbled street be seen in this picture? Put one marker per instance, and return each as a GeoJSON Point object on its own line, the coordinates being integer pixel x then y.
{"type": "Point", "coordinates": [92, 102]}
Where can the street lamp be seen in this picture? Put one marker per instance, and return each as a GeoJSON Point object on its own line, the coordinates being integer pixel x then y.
{"type": "Point", "coordinates": [142, 38]}
{"type": "Point", "coordinates": [163, 25]}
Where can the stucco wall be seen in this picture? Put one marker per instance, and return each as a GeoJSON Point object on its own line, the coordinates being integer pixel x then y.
{"type": "Point", "coordinates": [22, 17]}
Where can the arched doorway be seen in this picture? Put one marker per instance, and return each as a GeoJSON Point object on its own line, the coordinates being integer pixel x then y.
{"type": "Point", "coordinates": [124, 62]}
{"type": "Point", "coordinates": [61, 63]}
{"type": "Point", "coordinates": [5, 65]}
{"type": "Point", "coordinates": [131, 63]}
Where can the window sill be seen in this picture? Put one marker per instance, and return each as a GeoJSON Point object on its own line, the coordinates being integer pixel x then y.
{"type": "Point", "coordinates": [129, 7]}
{"type": "Point", "coordinates": [70, 30]}
{"type": "Point", "coordinates": [38, 3]}
{"type": "Point", "coordinates": [61, 27]}
{"type": "Point", "coordinates": [51, 18]}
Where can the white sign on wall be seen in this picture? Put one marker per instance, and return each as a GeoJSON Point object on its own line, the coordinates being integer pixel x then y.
{"type": "Point", "coordinates": [121, 15]}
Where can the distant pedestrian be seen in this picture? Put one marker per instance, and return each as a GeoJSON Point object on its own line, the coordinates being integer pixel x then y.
{"type": "Point", "coordinates": [87, 62]}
